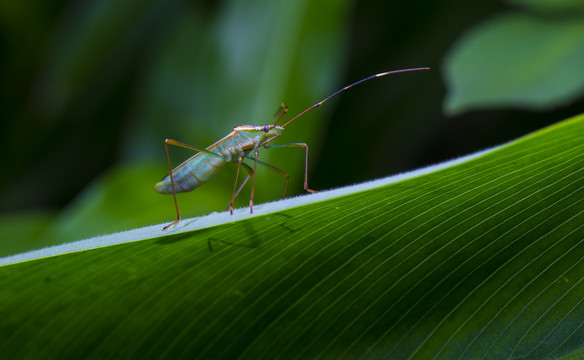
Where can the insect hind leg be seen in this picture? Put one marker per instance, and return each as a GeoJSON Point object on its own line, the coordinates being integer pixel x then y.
{"type": "Point", "coordinates": [186, 146]}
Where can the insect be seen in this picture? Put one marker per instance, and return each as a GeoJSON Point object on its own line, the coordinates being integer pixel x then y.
{"type": "Point", "coordinates": [243, 142]}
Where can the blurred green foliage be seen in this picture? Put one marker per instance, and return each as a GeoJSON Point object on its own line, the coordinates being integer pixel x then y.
{"type": "Point", "coordinates": [525, 60]}
{"type": "Point", "coordinates": [550, 5]}
{"type": "Point", "coordinates": [91, 89]}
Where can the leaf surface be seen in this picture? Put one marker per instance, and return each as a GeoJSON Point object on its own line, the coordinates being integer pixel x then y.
{"type": "Point", "coordinates": [478, 259]}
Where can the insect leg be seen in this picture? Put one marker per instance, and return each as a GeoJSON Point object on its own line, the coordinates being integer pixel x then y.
{"type": "Point", "coordinates": [276, 170]}
{"type": "Point", "coordinates": [249, 170]}
{"type": "Point", "coordinates": [255, 165]}
{"type": "Point", "coordinates": [282, 110]}
{"type": "Point", "coordinates": [234, 194]}
{"type": "Point", "coordinates": [191, 147]}
{"type": "Point", "coordinates": [305, 161]}
{"type": "Point", "coordinates": [187, 146]}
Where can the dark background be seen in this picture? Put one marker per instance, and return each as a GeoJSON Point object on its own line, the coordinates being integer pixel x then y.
{"type": "Point", "coordinates": [90, 90]}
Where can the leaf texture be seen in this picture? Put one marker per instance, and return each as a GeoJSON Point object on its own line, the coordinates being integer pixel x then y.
{"type": "Point", "coordinates": [479, 260]}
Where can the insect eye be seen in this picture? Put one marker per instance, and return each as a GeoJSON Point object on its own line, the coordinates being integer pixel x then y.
{"type": "Point", "coordinates": [266, 128]}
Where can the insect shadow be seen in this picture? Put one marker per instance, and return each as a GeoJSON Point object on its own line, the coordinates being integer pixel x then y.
{"type": "Point", "coordinates": [171, 239]}
{"type": "Point", "coordinates": [251, 240]}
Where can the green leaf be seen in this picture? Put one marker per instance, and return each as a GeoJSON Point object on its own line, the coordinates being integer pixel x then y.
{"type": "Point", "coordinates": [516, 60]}
{"type": "Point", "coordinates": [479, 257]}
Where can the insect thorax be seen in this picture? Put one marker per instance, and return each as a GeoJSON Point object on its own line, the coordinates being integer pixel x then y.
{"type": "Point", "coordinates": [245, 138]}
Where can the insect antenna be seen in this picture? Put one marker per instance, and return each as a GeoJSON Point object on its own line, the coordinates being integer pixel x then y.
{"type": "Point", "coordinates": [346, 88]}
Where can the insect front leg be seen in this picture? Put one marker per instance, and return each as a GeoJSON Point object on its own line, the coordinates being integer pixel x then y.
{"type": "Point", "coordinates": [282, 110]}
{"type": "Point", "coordinates": [305, 161]}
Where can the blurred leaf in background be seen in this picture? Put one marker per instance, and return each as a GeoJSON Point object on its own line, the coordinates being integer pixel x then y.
{"type": "Point", "coordinates": [531, 59]}
{"type": "Point", "coordinates": [90, 90]}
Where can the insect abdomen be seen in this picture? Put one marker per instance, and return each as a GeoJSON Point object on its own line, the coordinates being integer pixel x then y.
{"type": "Point", "coordinates": [191, 174]}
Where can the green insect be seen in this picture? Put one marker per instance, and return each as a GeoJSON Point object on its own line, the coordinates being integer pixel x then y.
{"type": "Point", "coordinates": [243, 142]}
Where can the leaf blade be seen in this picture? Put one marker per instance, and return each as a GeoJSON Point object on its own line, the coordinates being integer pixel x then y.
{"type": "Point", "coordinates": [477, 259]}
